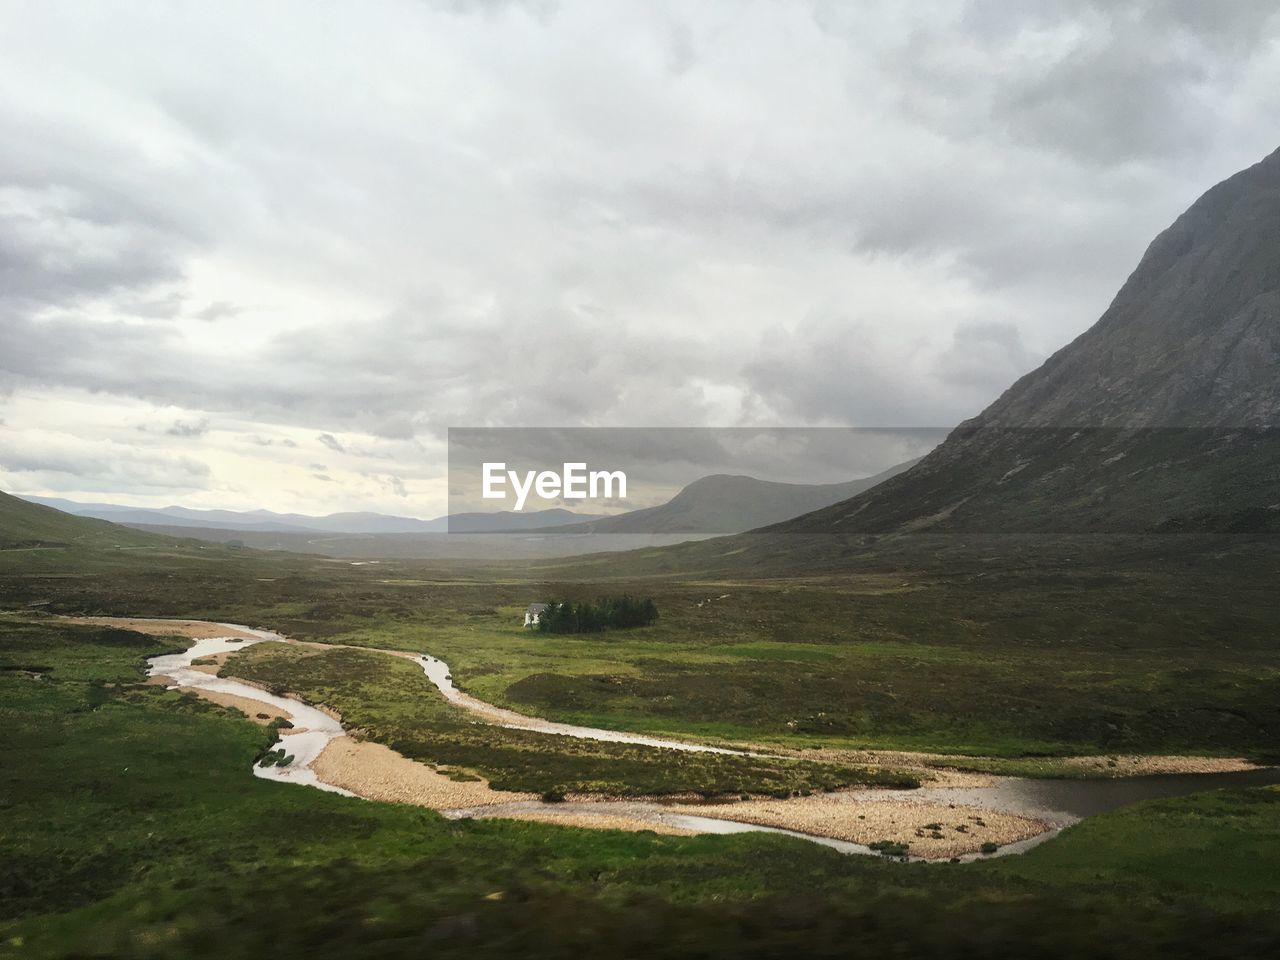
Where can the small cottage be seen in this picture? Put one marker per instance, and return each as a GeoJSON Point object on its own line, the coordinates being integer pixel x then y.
{"type": "Point", "coordinates": [532, 614]}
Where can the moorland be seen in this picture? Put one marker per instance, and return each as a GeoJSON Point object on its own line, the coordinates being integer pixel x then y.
{"type": "Point", "coordinates": [1034, 663]}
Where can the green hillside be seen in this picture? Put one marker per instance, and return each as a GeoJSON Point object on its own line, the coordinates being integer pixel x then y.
{"type": "Point", "coordinates": [26, 525]}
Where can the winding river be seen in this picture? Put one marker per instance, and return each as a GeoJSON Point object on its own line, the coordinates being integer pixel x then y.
{"type": "Point", "coordinates": [1057, 803]}
{"type": "Point", "coordinates": [317, 726]}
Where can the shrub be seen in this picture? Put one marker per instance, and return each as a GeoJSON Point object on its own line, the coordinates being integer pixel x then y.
{"type": "Point", "coordinates": [275, 758]}
{"type": "Point", "coordinates": [563, 616]}
{"type": "Point", "coordinates": [890, 848]}
{"type": "Point", "coordinates": [989, 847]}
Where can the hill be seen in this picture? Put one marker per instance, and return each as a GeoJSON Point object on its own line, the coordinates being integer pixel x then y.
{"type": "Point", "coordinates": [732, 504]}
{"type": "Point", "coordinates": [1162, 416]}
{"type": "Point", "coordinates": [30, 525]}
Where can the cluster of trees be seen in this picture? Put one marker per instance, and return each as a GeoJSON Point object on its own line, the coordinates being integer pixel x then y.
{"type": "Point", "coordinates": [590, 616]}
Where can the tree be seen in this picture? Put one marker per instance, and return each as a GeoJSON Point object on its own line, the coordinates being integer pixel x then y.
{"type": "Point", "coordinates": [586, 616]}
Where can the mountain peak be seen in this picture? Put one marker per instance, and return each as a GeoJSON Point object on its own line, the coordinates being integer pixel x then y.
{"type": "Point", "coordinates": [1162, 415]}
{"type": "Point", "coordinates": [1193, 336]}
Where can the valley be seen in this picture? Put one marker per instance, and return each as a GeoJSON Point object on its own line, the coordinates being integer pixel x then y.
{"type": "Point", "coordinates": [1042, 658]}
{"type": "Point", "coordinates": [79, 703]}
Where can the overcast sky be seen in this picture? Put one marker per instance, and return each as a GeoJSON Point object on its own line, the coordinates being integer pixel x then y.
{"type": "Point", "coordinates": [265, 254]}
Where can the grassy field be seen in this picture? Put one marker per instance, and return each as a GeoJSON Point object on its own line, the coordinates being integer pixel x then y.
{"type": "Point", "coordinates": [970, 653]}
{"type": "Point", "coordinates": [133, 828]}
{"type": "Point", "coordinates": [391, 701]}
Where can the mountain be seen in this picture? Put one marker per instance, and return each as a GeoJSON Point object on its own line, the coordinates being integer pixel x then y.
{"type": "Point", "coordinates": [1163, 416]}
{"type": "Point", "coordinates": [116, 513]}
{"type": "Point", "coordinates": [506, 521]}
{"type": "Point", "coordinates": [268, 522]}
{"type": "Point", "coordinates": [30, 525]}
{"type": "Point", "coordinates": [731, 504]}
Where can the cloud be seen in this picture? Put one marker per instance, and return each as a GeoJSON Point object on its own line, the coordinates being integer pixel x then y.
{"type": "Point", "coordinates": [834, 371]}
{"type": "Point", "coordinates": [984, 355]}
{"type": "Point", "coordinates": [182, 428]}
{"type": "Point", "coordinates": [109, 467]}
{"type": "Point", "coordinates": [56, 247]}
{"type": "Point", "coordinates": [219, 310]}
{"type": "Point", "coordinates": [417, 216]}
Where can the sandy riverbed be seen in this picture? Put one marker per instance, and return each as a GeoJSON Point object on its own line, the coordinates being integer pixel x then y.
{"type": "Point", "coordinates": [194, 629]}
{"type": "Point", "coordinates": [852, 816]}
{"type": "Point", "coordinates": [255, 710]}
{"type": "Point", "coordinates": [599, 821]}
{"type": "Point", "coordinates": [379, 773]}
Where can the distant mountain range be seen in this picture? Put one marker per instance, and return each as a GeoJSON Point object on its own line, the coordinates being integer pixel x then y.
{"type": "Point", "coordinates": [715, 504]}
{"type": "Point", "coordinates": [265, 521]}
{"type": "Point", "coordinates": [712, 505]}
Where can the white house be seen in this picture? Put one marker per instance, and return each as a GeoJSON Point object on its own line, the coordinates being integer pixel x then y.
{"type": "Point", "coordinates": [532, 614]}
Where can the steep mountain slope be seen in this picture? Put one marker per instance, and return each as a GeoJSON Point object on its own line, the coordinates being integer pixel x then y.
{"type": "Point", "coordinates": [1162, 416]}
{"type": "Point", "coordinates": [732, 504]}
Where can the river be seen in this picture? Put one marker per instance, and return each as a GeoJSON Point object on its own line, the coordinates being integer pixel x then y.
{"type": "Point", "coordinates": [1058, 803]}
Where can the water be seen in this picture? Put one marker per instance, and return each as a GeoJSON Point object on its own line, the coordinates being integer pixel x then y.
{"type": "Point", "coordinates": [437, 672]}
{"type": "Point", "coordinates": [1059, 803]}
{"type": "Point", "coordinates": [319, 727]}
{"type": "Point", "coordinates": [1067, 801]}
{"type": "Point", "coordinates": [655, 813]}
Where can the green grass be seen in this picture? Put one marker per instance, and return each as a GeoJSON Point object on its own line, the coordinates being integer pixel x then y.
{"type": "Point", "coordinates": [1080, 667]}
{"type": "Point", "coordinates": [1234, 835]}
{"type": "Point", "coordinates": [133, 828]}
{"type": "Point", "coordinates": [390, 700]}
{"type": "Point", "coordinates": [1048, 649]}
{"type": "Point", "coordinates": [28, 527]}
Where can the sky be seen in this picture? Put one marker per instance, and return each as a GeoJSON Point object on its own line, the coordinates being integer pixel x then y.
{"type": "Point", "coordinates": [265, 255]}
